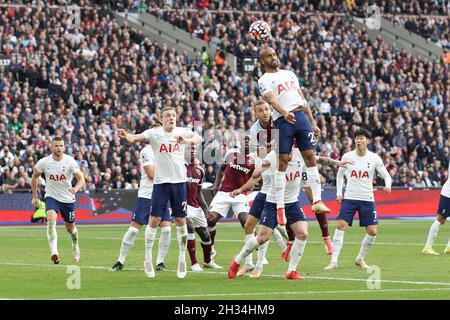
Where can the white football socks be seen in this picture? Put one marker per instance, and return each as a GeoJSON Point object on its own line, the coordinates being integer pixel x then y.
{"type": "Point", "coordinates": [164, 244]}
{"type": "Point", "coordinates": [150, 236]}
{"type": "Point", "coordinates": [182, 242]}
{"type": "Point", "coordinates": [248, 248]}
{"type": "Point", "coordinates": [262, 254]}
{"type": "Point", "coordinates": [434, 229]}
{"type": "Point", "coordinates": [52, 236]}
{"type": "Point", "coordinates": [296, 254]}
{"type": "Point", "coordinates": [367, 242]}
{"type": "Point", "coordinates": [279, 239]}
{"type": "Point", "coordinates": [127, 243]}
{"type": "Point", "coordinates": [314, 181]}
{"type": "Point", "coordinates": [249, 257]}
{"type": "Point", "coordinates": [338, 241]}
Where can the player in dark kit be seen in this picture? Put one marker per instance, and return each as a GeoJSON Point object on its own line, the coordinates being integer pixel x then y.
{"type": "Point", "coordinates": [196, 218]}
{"type": "Point", "coordinates": [237, 168]}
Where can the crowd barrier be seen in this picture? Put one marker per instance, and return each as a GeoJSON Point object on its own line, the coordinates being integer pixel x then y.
{"type": "Point", "coordinates": [116, 206]}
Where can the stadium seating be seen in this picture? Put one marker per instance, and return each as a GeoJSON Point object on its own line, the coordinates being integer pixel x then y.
{"type": "Point", "coordinates": [84, 84]}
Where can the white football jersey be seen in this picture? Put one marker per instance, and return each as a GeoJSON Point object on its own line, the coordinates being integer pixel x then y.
{"type": "Point", "coordinates": [259, 136]}
{"type": "Point", "coordinates": [265, 176]}
{"type": "Point", "coordinates": [360, 176]}
{"type": "Point", "coordinates": [293, 177]}
{"type": "Point", "coordinates": [170, 165]}
{"type": "Point", "coordinates": [146, 158]}
{"type": "Point", "coordinates": [284, 85]}
{"type": "Point", "coordinates": [58, 177]}
{"type": "Point", "coordinates": [446, 187]}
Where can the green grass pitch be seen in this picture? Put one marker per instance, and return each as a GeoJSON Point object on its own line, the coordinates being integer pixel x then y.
{"type": "Point", "coordinates": [28, 273]}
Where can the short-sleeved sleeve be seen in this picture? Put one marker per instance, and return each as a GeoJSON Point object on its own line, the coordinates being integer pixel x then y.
{"type": "Point", "coordinates": [295, 79]}
{"type": "Point", "coordinates": [263, 86]}
{"type": "Point", "coordinates": [272, 159]}
{"type": "Point", "coordinates": [74, 165]}
{"type": "Point", "coordinates": [146, 157]}
{"type": "Point", "coordinates": [149, 134]}
{"type": "Point", "coordinates": [40, 165]}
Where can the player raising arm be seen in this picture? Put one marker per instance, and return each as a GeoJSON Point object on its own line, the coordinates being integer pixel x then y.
{"type": "Point", "coordinates": [142, 211]}
{"type": "Point", "coordinates": [170, 179]}
{"type": "Point", "coordinates": [293, 118]}
{"type": "Point", "coordinates": [59, 169]}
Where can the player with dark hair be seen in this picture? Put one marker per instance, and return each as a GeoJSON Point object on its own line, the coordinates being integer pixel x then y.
{"type": "Point", "coordinates": [293, 119]}
{"type": "Point", "coordinates": [358, 196]}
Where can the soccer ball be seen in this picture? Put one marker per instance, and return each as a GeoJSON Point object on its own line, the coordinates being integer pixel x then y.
{"type": "Point", "coordinates": [259, 31]}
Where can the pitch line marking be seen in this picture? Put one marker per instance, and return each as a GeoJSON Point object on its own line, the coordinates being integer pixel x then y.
{"type": "Point", "coordinates": [265, 293]}
{"type": "Point", "coordinates": [242, 241]}
{"type": "Point", "coordinates": [225, 273]}
{"type": "Point", "coordinates": [250, 294]}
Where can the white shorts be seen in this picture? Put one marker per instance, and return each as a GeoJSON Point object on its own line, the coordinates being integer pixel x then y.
{"type": "Point", "coordinates": [222, 203]}
{"type": "Point", "coordinates": [198, 217]}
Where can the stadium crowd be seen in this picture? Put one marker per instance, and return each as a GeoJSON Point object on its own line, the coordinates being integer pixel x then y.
{"type": "Point", "coordinates": [436, 29]}
{"type": "Point", "coordinates": [85, 83]}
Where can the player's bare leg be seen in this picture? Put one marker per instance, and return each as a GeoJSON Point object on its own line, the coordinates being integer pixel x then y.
{"type": "Point", "coordinates": [264, 235]}
{"type": "Point", "coordinates": [323, 223]}
{"type": "Point", "coordinates": [314, 180]}
{"type": "Point", "coordinates": [432, 234]}
{"type": "Point", "coordinates": [338, 241]}
{"type": "Point", "coordinates": [280, 186]}
{"type": "Point", "coordinates": [73, 231]}
{"type": "Point", "coordinates": [300, 230]}
{"type": "Point", "coordinates": [52, 236]}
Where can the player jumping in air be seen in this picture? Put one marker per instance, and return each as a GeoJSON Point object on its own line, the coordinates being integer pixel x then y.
{"type": "Point", "coordinates": [443, 214]}
{"type": "Point", "coordinates": [168, 145]}
{"type": "Point", "coordinates": [296, 219]}
{"type": "Point", "coordinates": [293, 118]}
{"type": "Point", "coordinates": [59, 169]}
{"type": "Point", "coordinates": [358, 197]}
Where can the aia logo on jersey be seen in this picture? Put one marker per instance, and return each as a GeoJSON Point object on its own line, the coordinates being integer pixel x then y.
{"type": "Point", "coordinates": [169, 147]}
{"type": "Point", "coordinates": [293, 176]}
{"type": "Point", "coordinates": [57, 178]}
{"type": "Point", "coordinates": [287, 86]}
{"type": "Point", "coordinates": [359, 174]}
